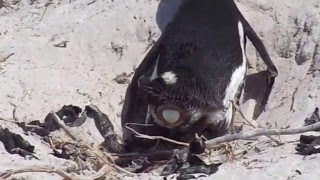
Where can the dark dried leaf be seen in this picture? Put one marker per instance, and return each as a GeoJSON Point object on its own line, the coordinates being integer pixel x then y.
{"type": "Point", "coordinates": [315, 117]}
{"type": "Point", "coordinates": [308, 145]}
{"type": "Point", "coordinates": [112, 141]}
{"type": "Point", "coordinates": [14, 143]}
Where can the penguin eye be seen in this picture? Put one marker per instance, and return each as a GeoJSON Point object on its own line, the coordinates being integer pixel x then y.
{"type": "Point", "coordinates": [170, 115]}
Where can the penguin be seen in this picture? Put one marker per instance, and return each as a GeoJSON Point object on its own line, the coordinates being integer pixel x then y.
{"type": "Point", "coordinates": [187, 82]}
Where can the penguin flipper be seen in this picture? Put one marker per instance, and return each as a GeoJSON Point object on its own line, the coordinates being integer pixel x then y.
{"type": "Point", "coordinates": [258, 44]}
{"type": "Point", "coordinates": [271, 69]}
{"type": "Point", "coordinates": [135, 108]}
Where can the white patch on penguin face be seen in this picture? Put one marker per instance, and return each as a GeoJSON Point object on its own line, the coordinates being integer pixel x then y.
{"type": "Point", "coordinates": [216, 116]}
{"type": "Point", "coordinates": [317, 146]}
{"type": "Point", "coordinates": [169, 77]}
{"type": "Point", "coordinates": [195, 115]}
{"type": "Point", "coordinates": [236, 79]}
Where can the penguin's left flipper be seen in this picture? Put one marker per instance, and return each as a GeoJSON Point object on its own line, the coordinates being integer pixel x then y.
{"type": "Point", "coordinates": [271, 69]}
{"type": "Point", "coordinates": [135, 107]}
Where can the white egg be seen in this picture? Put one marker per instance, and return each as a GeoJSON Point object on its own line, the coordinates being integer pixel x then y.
{"type": "Point", "coordinates": [171, 116]}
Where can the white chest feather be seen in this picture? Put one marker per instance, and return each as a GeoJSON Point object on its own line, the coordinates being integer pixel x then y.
{"type": "Point", "coordinates": [236, 78]}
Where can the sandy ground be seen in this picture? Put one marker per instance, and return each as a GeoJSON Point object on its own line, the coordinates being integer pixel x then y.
{"type": "Point", "coordinates": [105, 38]}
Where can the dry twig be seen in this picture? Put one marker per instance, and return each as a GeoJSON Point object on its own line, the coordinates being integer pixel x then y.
{"type": "Point", "coordinates": [6, 120]}
{"type": "Point", "coordinates": [254, 124]}
{"type": "Point", "coordinates": [62, 126]}
{"type": "Point", "coordinates": [250, 122]}
{"type": "Point", "coordinates": [61, 173]}
{"type": "Point", "coordinates": [100, 174]}
{"type": "Point", "coordinates": [7, 57]}
{"type": "Point", "coordinates": [144, 136]}
{"type": "Point", "coordinates": [261, 132]}
{"type": "Point", "coordinates": [59, 122]}
{"type": "Point", "coordinates": [46, 8]}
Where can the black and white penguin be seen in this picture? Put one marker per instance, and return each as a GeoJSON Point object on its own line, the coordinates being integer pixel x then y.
{"type": "Point", "coordinates": [188, 80]}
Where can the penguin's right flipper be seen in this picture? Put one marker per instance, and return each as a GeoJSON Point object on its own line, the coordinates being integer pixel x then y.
{"type": "Point", "coordinates": [258, 44]}
{"type": "Point", "coordinates": [272, 70]}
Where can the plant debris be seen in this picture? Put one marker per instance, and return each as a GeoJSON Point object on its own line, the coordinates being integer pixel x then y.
{"type": "Point", "coordinates": [183, 162]}
{"type": "Point", "coordinates": [118, 49]}
{"type": "Point", "coordinates": [62, 44]}
{"type": "Point", "coordinates": [314, 118]}
{"type": "Point", "coordinates": [123, 78]}
{"type": "Point", "coordinates": [310, 144]}
{"type": "Point", "coordinates": [200, 156]}
{"type": "Point", "coordinates": [6, 57]}
{"type": "Point", "coordinates": [15, 144]}
{"type": "Point", "coordinates": [112, 141]}
{"type": "Point", "coordinates": [69, 114]}
{"type": "Point", "coordinates": [187, 162]}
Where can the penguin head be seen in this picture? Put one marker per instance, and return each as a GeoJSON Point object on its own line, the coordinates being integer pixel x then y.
{"type": "Point", "coordinates": [178, 99]}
